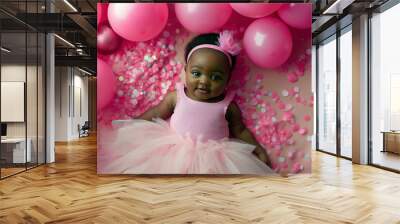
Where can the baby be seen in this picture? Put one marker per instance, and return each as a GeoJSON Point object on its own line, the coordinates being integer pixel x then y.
{"type": "Point", "coordinates": [205, 134]}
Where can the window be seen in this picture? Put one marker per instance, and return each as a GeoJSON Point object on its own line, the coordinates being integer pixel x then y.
{"type": "Point", "coordinates": [22, 66]}
{"type": "Point", "coordinates": [385, 89]}
{"type": "Point", "coordinates": [327, 96]}
{"type": "Point", "coordinates": [346, 92]}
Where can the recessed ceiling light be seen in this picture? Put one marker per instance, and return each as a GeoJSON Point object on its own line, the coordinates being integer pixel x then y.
{"type": "Point", "coordinates": [70, 5]}
{"type": "Point", "coordinates": [337, 7]}
{"type": "Point", "coordinates": [64, 40]}
{"type": "Point", "coordinates": [5, 50]}
{"type": "Point", "coordinates": [84, 71]}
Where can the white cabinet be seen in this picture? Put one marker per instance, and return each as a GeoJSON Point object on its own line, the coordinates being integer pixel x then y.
{"type": "Point", "coordinates": [16, 147]}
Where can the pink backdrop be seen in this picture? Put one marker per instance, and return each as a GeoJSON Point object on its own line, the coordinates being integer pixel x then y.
{"type": "Point", "coordinates": [276, 103]}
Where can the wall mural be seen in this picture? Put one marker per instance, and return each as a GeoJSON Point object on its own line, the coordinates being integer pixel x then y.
{"type": "Point", "coordinates": [141, 61]}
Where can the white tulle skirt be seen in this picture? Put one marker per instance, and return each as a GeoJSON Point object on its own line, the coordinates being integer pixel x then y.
{"type": "Point", "coordinates": [144, 147]}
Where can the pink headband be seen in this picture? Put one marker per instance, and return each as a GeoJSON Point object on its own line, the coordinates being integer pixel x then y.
{"type": "Point", "coordinates": [215, 47]}
{"type": "Point", "coordinates": [226, 45]}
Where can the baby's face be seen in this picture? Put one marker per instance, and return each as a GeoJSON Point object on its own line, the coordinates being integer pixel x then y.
{"type": "Point", "coordinates": [207, 74]}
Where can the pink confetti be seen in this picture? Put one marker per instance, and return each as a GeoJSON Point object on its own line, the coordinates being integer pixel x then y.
{"type": "Point", "coordinates": [297, 167]}
{"type": "Point", "coordinates": [302, 131]}
{"type": "Point", "coordinates": [292, 78]}
{"type": "Point", "coordinates": [287, 116]}
{"type": "Point", "coordinates": [291, 155]}
{"type": "Point", "coordinates": [281, 105]}
{"type": "Point", "coordinates": [290, 142]}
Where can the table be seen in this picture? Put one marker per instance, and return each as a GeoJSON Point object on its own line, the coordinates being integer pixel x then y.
{"type": "Point", "coordinates": [13, 150]}
{"type": "Point", "coordinates": [391, 141]}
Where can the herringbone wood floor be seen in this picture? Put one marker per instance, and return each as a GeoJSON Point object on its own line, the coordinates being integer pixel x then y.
{"type": "Point", "coordinates": [70, 191]}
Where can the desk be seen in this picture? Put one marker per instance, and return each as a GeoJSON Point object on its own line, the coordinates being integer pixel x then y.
{"type": "Point", "coordinates": [13, 150]}
{"type": "Point", "coordinates": [391, 141]}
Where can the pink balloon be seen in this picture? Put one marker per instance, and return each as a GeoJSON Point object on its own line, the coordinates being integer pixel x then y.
{"type": "Point", "coordinates": [138, 21]}
{"type": "Point", "coordinates": [203, 17]}
{"type": "Point", "coordinates": [107, 40]}
{"type": "Point", "coordinates": [101, 12]}
{"type": "Point", "coordinates": [297, 15]}
{"type": "Point", "coordinates": [105, 84]}
{"type": "Point", "coordinates": [268, 42]}
{"type": "Point", "coordinates": [255, 10]}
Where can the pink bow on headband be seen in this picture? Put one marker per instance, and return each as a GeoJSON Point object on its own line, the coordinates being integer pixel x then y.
{"type": "Point", "coordinates": [226, 45]}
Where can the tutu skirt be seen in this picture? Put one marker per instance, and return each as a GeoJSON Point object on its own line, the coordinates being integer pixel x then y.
{"type": "Point", "coordinates": [144, 147]}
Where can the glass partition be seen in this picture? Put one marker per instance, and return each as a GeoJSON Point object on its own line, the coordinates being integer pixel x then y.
{"type": "Point", "coordinates": [327, 96]}
{"type": "Point", "coordinates": [22, 77]}
{"type": "Point", "coordinates": [385, 89]}
{"type": "Point", "coordinates": [13, 103]}
{"type": "Point", "coordinates": [32, 96]}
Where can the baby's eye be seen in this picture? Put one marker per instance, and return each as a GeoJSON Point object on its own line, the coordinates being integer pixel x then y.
{"type": "Point", "coordinates": [215, 77]}
{"type": "Point", "coordinates": [196, 74]}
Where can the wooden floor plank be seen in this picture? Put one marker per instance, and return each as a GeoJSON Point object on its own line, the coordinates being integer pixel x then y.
{"type": "Point", "coordinates": [70, 191]}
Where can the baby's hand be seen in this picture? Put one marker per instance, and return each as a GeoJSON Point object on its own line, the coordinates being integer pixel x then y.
{"type": "Point", "coordinates": [262, 155]}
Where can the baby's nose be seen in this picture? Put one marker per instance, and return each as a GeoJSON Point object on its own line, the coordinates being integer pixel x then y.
{"type": "Point", "coordinates": [204, 80]}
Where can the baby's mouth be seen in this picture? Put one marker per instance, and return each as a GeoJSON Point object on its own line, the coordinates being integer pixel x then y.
{"type": "Point", "coordinates": [203, 90]}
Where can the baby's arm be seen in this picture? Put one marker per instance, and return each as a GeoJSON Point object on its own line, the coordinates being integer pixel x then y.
{"type": "Point", "coordinates": [239, 130]}
{"type": "Point", "coordinates": [163, 110]}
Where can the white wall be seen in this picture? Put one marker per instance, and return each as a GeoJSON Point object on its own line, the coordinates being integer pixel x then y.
{"type": "Point", "coordinates": [61, 103]}
{"type": "Point", "coordinates": [12, 73]}
{"type": "Point", "coordinates": [385, 71]}
{"type": "Point", "coordinates": [33, 127]}
{"type": "Point", "coordinates": [71, 93]}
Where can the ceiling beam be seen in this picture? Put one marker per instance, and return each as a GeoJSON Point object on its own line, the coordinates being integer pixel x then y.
{"type": "Point", "coordinates": [86, 26]}
{"type": "Point", "coordinates": [337, 7]}
{"type": "Point", "coordinates": [84, 61]}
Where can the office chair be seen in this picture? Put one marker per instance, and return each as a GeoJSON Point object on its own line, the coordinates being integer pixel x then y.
{"type": "Point", "coordinates": [84, 130]}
